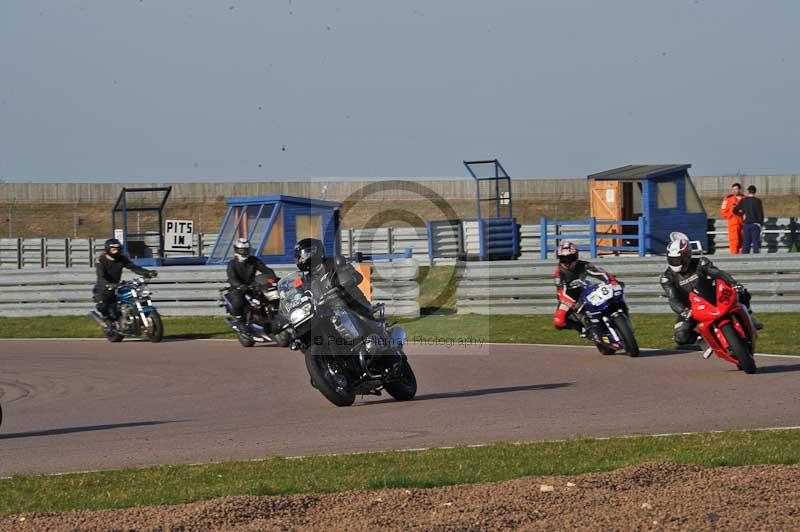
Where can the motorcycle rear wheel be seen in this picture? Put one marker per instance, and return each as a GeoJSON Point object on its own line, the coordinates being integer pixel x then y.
{"type": "Point", "coordinates": [405, 388]}
{"type": "Point", "coordinates": [625, 330]}
{"type": "Point", "coordinates": [328, 377]}
{"type": "Point", "coordinates": [155, 333]}
{"type": "Point", "coordinates": [246, 341]}
{"type": "Point", "coordinates": [112, 336]}
{"type": "Point", "coordinates": [604, 349]}
{"type": "Point", "coordinates": [740, 350]}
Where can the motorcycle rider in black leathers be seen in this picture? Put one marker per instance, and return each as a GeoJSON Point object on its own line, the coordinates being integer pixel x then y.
{"type": "Point", "coordinates": [242, 270]}
{"type": "Point", "coordinates": [109, 267]}
{"type": "Point", "coordinates": [332, 272]}
{"type": "Point", "coordinates": [681, 277]}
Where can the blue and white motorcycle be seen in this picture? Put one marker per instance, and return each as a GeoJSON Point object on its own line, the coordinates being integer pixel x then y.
{"type": "Point", "coordinates": [132, 314]}
{"type": "Point", "coordinates": [601, 306]}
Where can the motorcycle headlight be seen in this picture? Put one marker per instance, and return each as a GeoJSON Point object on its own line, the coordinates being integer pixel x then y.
{"type": "Point", "coordinates": [298, 315]}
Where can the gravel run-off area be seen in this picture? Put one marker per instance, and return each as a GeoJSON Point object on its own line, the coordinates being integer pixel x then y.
{"type": "Point", "coordinates": [653, 496]}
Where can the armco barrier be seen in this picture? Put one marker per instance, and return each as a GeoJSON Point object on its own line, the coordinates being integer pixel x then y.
{"type": "Point", "coordinates": [526, 287]}
{"type": "Point", "coordinates": [778, 235]}
{"type": "Point", "coordinates": [178, 291]}
{"type": "Point", "coordinates": [449, 241]}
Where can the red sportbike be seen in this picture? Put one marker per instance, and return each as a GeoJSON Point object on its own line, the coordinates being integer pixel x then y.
{"type": "Point", "coordinates": [724, 323]}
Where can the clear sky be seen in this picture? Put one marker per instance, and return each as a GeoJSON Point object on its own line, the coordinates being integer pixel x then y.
{"type": "Point", "coordinates": [182, 90]}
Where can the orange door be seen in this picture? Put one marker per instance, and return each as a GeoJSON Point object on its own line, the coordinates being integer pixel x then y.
{"type": "Point", "coordinates": [605, 203]}
{"type": "Point", "coordinates": [366, 283]}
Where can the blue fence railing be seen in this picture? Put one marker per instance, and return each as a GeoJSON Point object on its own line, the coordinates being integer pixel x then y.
{"type": "Point", "coordinates": [549, 242]}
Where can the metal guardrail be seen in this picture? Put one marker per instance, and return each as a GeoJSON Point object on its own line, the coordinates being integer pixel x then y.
{"type": "Point", "coordinates": [178, 290]}
{"type": "Point", "coordinates": [591, 236]}
{"type": "Point", "coordinates": [449, 240]}
{"type": "Point", "coordinates": [526, 287]}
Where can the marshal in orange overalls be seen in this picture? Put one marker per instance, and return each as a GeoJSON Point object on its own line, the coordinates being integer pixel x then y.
{"type": "Point", "coordinates": [735, 222]}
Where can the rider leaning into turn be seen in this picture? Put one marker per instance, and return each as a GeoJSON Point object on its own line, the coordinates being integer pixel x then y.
{"type": "Point", "coordinates": [332, 272]}
{"type": "Point", "coordinates": [681, 277]}
{"type": "Point", "coordinates": [109, 272]}
{"type": "Point", "coordinates": [242, 272]}
{"type": "Point", "coordinates": [571, 269]}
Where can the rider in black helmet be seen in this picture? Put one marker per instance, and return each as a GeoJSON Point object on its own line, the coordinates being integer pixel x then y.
{"type": "Point", "coordinates": [242, 272]}
{"type": "Point", "coordinates": [309, 256]}
{"type": "Point", "coordinates": [109, 267]}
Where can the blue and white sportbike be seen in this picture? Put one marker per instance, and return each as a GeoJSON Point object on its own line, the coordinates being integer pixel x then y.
{"type": "Point", "coordinates": [602, 308]}
{"type": "Point", "coordinates": [132, 314]}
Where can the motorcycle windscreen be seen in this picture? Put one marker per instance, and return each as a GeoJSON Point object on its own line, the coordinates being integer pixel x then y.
{"type": "Point", "coordinates": [707, 289]}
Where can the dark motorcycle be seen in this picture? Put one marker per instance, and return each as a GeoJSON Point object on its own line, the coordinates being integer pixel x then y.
{"type": "Point", "coordinates": [261, 314]}
{"type": "Point", "coordinates": [133, 313]}
{"type": "Point", "coordinates": [602, 308]}
{"type": "Point", "coordinates": [346, 354]}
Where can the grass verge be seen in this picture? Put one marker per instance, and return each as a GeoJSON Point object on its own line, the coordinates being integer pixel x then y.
{"type": "Point", "coordinates": [418, 469]}
{"type": "Point", "coordinates": [652, 330]}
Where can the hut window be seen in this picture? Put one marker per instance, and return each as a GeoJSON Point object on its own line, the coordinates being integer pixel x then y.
{"type": "Point", "coordinates": [309, 226]}
{"type": "Point", "coordinates": [667, 195]}
{"type": "Point", "coordinates": [693, 203]}
{"type": "Point", "coordinates": [275, 243]}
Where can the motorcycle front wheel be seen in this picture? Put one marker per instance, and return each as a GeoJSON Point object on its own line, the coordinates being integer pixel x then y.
{"type": "Point", "coordinates": [405, 387]}
{"type": "Point", "coordinates": [328, 376]}
{"type": "Point", "coordinates": [155, 333]}
{"type": "Point", "coordinates": [739, 349]}
{"type": "Point", "coordinates": [625, 330]}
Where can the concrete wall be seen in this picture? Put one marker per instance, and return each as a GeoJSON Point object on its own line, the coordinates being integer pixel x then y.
{"type": "Point", "coordinates": [448, 188]}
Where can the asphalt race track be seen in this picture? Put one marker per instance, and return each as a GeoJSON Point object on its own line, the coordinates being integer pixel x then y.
{"type": "Point", "coordinates": [75, 405]}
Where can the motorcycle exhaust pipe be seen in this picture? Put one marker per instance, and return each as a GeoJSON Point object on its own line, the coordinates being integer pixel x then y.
{"type": "Point", "coordinates": [98, 318]}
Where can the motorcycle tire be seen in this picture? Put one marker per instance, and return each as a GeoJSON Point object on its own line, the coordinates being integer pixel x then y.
{"type": "Point", "coordinates": [405, 388]}
{"type": "Point", "coordinates": [155, 333]}
{"type": "Point", "coordinates": [113, 337]}
{"type": "Point", "coordinates": [246, 341]}
{"type": "Point", "coordinates": [283, 339]}
{"type": "Point", "coordinates": [625, 330]}
{"type": "Point", "coordinates": [604, 349]}
{"type": "Point", "coordinates": [327, 378]}
{"type": "Point", "coordinates": [739, 349]}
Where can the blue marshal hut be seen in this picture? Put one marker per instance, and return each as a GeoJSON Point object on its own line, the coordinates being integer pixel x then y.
{"type": "Point", "coordinates": [274, 224]}
{"type": "Point", "coordinates": [663, 195]}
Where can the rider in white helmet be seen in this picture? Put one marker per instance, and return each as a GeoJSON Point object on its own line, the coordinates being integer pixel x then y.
{"type": "Point", "coordinates": [681, 276]}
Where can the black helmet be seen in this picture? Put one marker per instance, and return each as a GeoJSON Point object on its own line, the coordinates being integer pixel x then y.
{"type": "Point", "coordinates": [308, 253]}
{"type": "Point", "coordinates": [241, 248]}
{"type": "Point", "coordinates": [112, 247]}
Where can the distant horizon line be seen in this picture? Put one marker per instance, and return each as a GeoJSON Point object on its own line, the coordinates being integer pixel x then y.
{"type": "Point", "coordinates": [190, 180]}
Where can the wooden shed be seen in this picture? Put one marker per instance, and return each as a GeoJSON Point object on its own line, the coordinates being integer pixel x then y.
{"type": "Point", "coordinates": [274, 224]}
{"type": "Point", "coordinates": [662, 194]}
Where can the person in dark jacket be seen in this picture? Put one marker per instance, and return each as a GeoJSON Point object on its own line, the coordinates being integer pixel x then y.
{"type": "Point", "coordinates": [681, 276]}
{"type": "Point", "coordinates": [242, 270]}
{"type": "Point", "coordinates": [752, 210]}
{"type": "Point", "coordinates": [332, 272]}
{"type": "Point", "coordinates": [109, 268]}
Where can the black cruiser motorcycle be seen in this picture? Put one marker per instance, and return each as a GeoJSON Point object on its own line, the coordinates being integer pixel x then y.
{"type": "Point", "coordinates": [346, 354]}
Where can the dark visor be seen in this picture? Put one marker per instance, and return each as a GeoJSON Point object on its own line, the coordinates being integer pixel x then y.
{"type": "Point", "coordinates": [675, 261]}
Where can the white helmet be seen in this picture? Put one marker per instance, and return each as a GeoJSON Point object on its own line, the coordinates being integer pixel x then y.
{"type": "Point", "coordinates": [679, 253]}
{"type": "Point", "coordinates": [241, 249]}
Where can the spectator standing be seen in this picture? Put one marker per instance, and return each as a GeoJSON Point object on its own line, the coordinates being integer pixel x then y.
{"type": "Point", "coordinates": [752, 211]}
{"type": "Point", "coordinates": [728, 211]}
